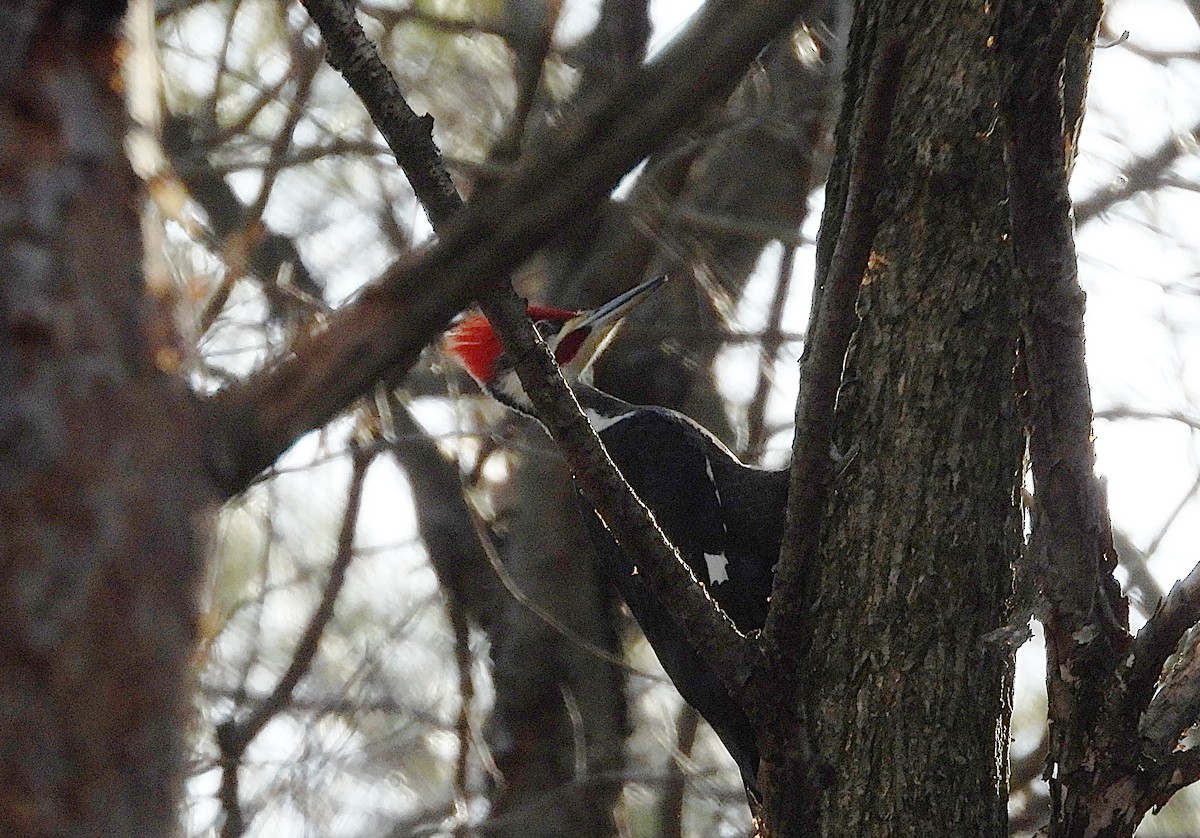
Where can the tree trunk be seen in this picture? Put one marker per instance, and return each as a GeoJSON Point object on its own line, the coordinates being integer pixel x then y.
{"type": "Point", "coordinates": [100, 471]}
{"type": "Point", "coordinates": [904, 695]}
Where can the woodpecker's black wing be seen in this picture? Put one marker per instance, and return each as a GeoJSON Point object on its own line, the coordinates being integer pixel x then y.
{"type": "Point", "coordinates": [725, 518]}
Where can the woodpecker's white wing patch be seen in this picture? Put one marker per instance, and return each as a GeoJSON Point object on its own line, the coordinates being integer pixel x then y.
{"type": "Point", "coordinates": [717, 567]}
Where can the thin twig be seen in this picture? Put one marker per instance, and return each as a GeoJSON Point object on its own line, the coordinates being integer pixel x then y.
{"type": "Point", "coordinates": [466, 694]}
{"type": "Point", "coordinates": [234, 737]}
{"type": "Point", "coordinates": [446, 522]}
{"type": "Point", "coordinates": [773, 341]}
{"type": "Point", "coordinates": [303, 71]}
{"type": "Point", "coordinates": [1142, 175]}
{"type": "Point", "coordinates": [1117, 413]}
{"type": "Point", "coordinates": [670, 803]}
{"type": "Point", "coordinates": [1183, 503]}
{"type": "Point", "coordinates": [567, 633]}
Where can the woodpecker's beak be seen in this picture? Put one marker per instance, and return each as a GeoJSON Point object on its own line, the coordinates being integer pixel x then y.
{"type": "Point", "coordinates": [598, 326]}
{"type": "Point", "coordinates": [618, 307]}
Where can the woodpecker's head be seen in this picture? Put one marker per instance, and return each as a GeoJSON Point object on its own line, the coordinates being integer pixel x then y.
{"type": "Point", "coordinates": [576, 338]}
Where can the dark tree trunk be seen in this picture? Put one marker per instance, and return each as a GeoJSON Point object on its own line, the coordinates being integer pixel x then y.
{"type": "Point", "coordinates": [904, 695]}
{"type": "Point", "coordinates": [100, 472]}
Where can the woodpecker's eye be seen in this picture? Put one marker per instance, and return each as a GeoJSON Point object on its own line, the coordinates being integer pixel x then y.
{"type": "Point", "coordinates": [546, 328]}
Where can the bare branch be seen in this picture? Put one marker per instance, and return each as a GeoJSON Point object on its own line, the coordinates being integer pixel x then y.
{"type": "Point", "coordinates": [410, 137]}
{"type": "Point", "coordinates": [1092, 721]}
{"type": "Point", "coordinates": [1143, 175]}
{"type": "Point", "coordinates": [234, 737]}
{"type": "Point", "coordinates": [773, 341]}
{"type": "Point", "coordinates": [1070, 499]}
{"type": "Point", "coordinates": [384, 330]}
{"type": "Point", "coordinates": [610, 134]}
{"type": "Point", "coordinates": [514, 590]}
{"type": "Point", "coordinates": [355, 55]}
{"type": "Point", "coordinates": [243, 245]}
{"type": "Point", "coordinates": [1159, 638]}
{"type": "Point", "coordinates": [788, 754]}
{"type": "Point", "coordinates": [825, 349]}
{"type": "Point", "coordinates": [1116, 413]}
{"type": "Point", "coordinates": [1176, 704]}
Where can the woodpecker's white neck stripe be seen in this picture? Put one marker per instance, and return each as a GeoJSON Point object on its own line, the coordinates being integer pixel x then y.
{"type": "Point", "coordinates": [601, 423]}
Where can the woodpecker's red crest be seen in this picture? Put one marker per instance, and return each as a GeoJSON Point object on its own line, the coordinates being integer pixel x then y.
{"type": "Point", "coordinates": [475, 344]}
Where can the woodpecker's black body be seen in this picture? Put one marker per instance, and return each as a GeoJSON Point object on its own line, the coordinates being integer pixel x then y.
{"type": "Point", "coordinates": [727, 521]}
{"type": "Point", "coordinates": [726, 518]}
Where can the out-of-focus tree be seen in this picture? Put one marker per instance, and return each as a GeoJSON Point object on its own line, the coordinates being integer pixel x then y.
{"type": "Point", "coordinates": [402, 630]}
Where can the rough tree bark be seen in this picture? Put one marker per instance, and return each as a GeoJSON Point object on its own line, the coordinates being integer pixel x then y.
{"type": "Point", "coordinates": [902, 693]}
{"type": "Point", "coordinates": [101, 477]}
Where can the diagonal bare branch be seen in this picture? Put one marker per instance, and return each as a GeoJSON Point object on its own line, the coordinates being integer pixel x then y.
{"type": "Point", "coordinates": [1159, 638]}
{"type": "Point", "coordinates": [1143, 175]}
{"type": "Point", "coordinates": [361, 343]}
{"type": "Point", "coordinates": [825, 349]}
{"type": "Point", "coordinates": [383, 331]}
{"type": "Point", "coordinates": [234, 737]}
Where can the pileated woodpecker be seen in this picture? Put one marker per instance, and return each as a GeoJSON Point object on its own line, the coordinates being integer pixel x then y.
{"type": "Point", "coordinates": [726, 518]}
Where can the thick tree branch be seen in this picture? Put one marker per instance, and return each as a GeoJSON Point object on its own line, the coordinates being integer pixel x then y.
{"type": "Point", "coordinates": [825, 348]}
{"type": "Point", "coordinates": [1070, 498]}
{"type": "Point", "coordinates": [1093, 723]}
{"type": "Point", "coordinates": [1156, 642]}
{"type": "Point", "coordinates": [385, 329]}
{"type": "Point", "coordinates": [789, 758]}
